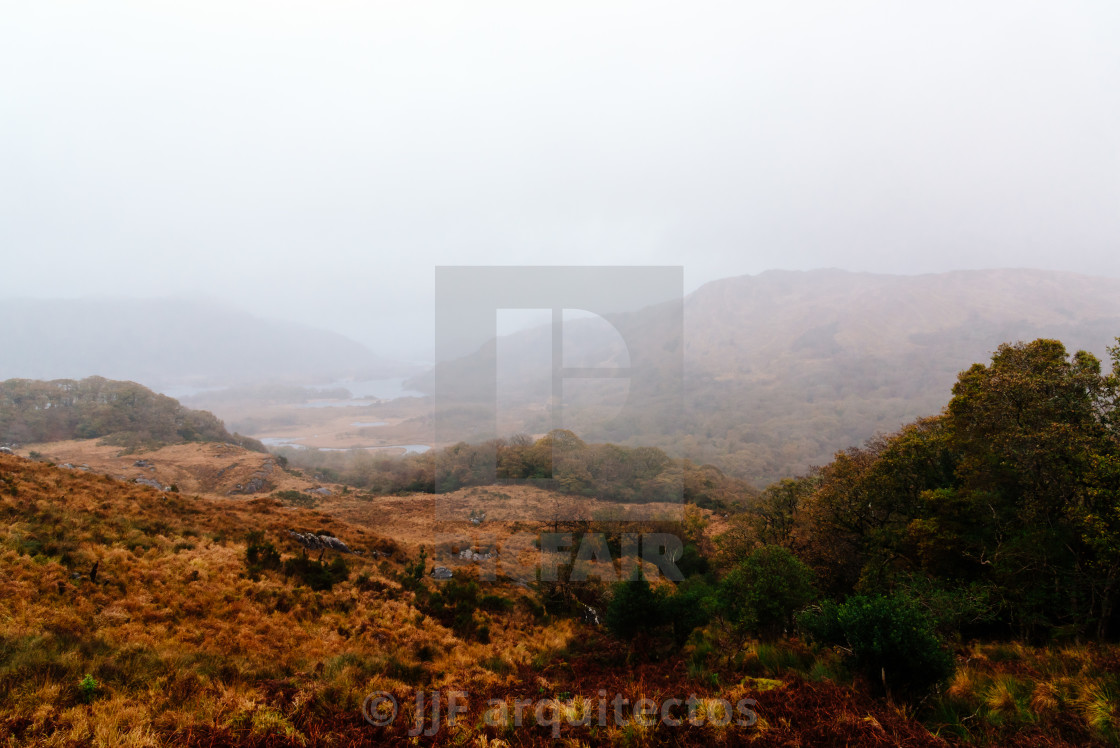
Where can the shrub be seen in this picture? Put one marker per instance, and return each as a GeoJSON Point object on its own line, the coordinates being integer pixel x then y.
{"type": "Point", "coordinates": [454, 605]}
{"type": "Point", "coordinates": [689, 608]}
{"type": "Point", "coordinates": [296, 498]}
{"type": "Point", "coordinates": [763, 593]}
{"type": "Point", "coordinates": [88, 688]}
{"type": "Point", "coordinates": [891, 640]}
{"type": "Point", "coordinates": [635, 607]}
{"type": "Point", "coordinates": [413, 574]}
{"type": "Point", "coordinates": [316, 574]}
{"type": "Point", "coordinates": [260, 555]}
{"type": "Point", "coordinates": [495, 603]}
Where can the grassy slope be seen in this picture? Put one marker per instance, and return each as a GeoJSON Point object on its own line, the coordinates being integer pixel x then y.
{"type": "Point", "coordinates": [207, 468]}
{"type": "Point", "coordinates": [187, 649]}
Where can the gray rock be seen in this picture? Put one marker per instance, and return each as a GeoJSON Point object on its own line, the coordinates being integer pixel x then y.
{"type": "Point", "coordinates": [313, 542]}
{"type": "Point", "coordinates": [150, 483]}
{"type": "Point", "coordinates": [442, 572]}
{"type": "Point", "coordinates": [253, 485]}
{"type": "Point", "coordinates": [6, 451]}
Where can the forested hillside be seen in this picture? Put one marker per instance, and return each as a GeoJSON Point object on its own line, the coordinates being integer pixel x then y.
{"type": "Point", "coordinates": [122, 413]}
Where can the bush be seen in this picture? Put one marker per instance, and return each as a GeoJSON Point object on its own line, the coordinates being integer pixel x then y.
{"type": "Point", "coordinates": [316, 574]}
{"type": "Point", "coordinates": [260, 555]}
{"type": "Point", "coordinates": [296, 498]}
{"type": "Point", "coordinates": [88, 688]}
{"type": "Point", "coordinates": [891, 641]}
{"type": "Point", "coordinates": [495, 603]}
{"type": "Point", "coordinates": [689, 608]}
{"type": "Point", "coordinates": [412, 576]}
{"type": "Point", "coordinates": [763, 593]}
{"type": "Point", "coordinates": [635, 607]}
{"type": "Point", "coordinates": [454, 605]}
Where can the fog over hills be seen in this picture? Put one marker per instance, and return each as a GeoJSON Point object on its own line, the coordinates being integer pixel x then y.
{"type": "Point", "coordinates": [785, 368]}
{"type": "Point", "coordinates": [161, 342]}
{"type": "Point", "coordinates": [782, 369]}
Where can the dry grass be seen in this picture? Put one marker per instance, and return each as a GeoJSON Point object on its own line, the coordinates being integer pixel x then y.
{"type": "Point", "coordinates": [1045, 699]}
{"type": "Point", "coordinates": [209, 468]}
{"type": "Point", "coordinates": [1059, 696]}
{"type": "Point", "coordinates": [187, 648]}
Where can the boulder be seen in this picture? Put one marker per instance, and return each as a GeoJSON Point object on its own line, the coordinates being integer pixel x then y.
{"type": "Point", "coordinates": [313, 542]}
{"type": "Point", "coordinates": [255, 484]}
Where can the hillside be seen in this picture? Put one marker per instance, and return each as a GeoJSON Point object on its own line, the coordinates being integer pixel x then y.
{"type": "Point", "coordinates": [138, 617]}
{"type": "Point", "coordinates": [162, 342]}
{"type": "Point", "coordinates": [133, 617]}
{"type": "Point", "coordinates": [212, 468]}
{"type": "Point", "coordinates": [935, 588]}
{"type": "Point", "coordinates": [785, 368]}
{"type": "Point", "coordinates": [123, 414]}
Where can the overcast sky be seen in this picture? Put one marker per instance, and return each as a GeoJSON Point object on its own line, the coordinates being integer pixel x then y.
{"type": "Point", "coordinates": [316, 160]}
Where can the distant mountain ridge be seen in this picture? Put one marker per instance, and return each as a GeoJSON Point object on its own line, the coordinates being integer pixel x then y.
{"type": "Point", "coordinates": [170, 341]}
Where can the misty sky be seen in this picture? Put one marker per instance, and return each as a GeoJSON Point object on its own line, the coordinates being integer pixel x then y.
{"type": "Point", "coordinates": [316, 160]}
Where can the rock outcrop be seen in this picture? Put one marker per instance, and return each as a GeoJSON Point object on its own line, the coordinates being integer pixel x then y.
{"type": "Point", "coordinates": [313, 542]}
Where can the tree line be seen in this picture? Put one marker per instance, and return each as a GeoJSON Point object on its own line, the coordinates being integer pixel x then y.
{"type": "Point", "coordinates": [559, 461]}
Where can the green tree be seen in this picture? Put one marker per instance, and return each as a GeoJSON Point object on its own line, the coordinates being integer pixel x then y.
{"type": "Point", "coordinates": [856, 522]}
{"type": "Point", "coordinates": [762, 594]}
{"type": "Point", "coordinates": [776, 509]}
{"type": "Point", "coordinates": [1008, 499]}
{"type": "Point", "coordinates": [1038, 452]}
